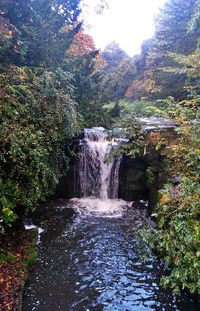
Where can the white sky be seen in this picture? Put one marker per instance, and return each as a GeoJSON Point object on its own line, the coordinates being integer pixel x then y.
{"type": "Point", "coordinates": [128, 22]}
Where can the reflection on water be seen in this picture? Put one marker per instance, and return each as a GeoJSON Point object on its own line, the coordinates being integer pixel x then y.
{"type": "Point", "coordinates": [92, 263]}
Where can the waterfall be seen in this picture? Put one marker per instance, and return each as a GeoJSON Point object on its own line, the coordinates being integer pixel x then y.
{"type": "Point", "coordinates": [98, 177]}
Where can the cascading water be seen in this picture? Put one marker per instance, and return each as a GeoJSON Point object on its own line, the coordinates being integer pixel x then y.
{"type": "Point", "coordinates": [98, 177]}
{"type": "Point", "coordinates": [98, 174]}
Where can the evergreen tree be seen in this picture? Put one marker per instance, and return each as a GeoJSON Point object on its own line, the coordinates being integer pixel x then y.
{"type": "Point", "coordinates": [39, 31]}
{"type": "Point", "coordinates": [172, 24]}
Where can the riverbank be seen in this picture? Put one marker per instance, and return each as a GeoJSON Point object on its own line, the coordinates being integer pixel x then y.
{"type": "Point", "coordinates": [17, 254]}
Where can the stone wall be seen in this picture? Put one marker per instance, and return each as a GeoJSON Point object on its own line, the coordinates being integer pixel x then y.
{"type": "Point", "coordinates": [133, 179]}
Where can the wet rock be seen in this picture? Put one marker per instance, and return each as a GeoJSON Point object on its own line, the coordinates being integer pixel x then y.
{"type": "Point", "coordinates": [132, 179]}
{"type": "Point", "coordinates": [142, 205]}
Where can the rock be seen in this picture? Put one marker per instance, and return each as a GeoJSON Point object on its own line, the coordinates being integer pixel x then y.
{"type": "Point", "coordinates": [139, 205]}
{"type": "Point", "coordinates": [132, 179]}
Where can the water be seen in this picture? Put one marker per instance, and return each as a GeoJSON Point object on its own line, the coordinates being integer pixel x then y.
{"type": "Point", "coordinates": [98, 177]}
{"type": "Point", "coordinates": [92, 262]}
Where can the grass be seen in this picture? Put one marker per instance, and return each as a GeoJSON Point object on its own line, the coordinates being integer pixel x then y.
{"type": "Point", "coordinates": [137, 108]}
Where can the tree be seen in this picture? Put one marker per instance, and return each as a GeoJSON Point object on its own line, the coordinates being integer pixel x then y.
{"type": "Point", "coordinates": [82, 44]}
{"type": "Point", "coordinates": [173, 35]}
{"type": "Point", "coordinates": [113, 55]}
{"type": "Point", "coordinates": [41, 31]}
{"type": "Point", "coordinates": [37, 107]}
{"type": "Point", "coordinates": [85, 63]}
{"type": "Point", "coordinates": [117, 73]}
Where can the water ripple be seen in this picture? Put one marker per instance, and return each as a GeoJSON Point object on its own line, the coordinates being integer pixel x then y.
{"type": "Point", "coordinates": [92, 264]}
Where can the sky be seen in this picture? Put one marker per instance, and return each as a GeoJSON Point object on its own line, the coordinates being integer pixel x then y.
{"type": "Point", "coordinates": [128, 22]}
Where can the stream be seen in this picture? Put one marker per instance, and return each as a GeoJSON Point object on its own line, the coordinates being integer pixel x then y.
{"type": "Point", "coordinates": [93, 262]}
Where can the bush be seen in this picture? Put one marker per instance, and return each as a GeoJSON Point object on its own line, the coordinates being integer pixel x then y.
{"type": "Point", "coordinates": [177, 236]}
{"type": "Point", "coordinates": [37, 116]}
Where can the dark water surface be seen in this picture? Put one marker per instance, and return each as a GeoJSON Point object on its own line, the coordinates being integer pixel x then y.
{"type": "Point", "coordinates": [92, 263]}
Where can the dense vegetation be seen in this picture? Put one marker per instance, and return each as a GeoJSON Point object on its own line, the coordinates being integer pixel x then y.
{"type": "Point", "coordinates": [168, 75]}
{"type": "Point", "coordinates": [53, 81]}
{"type": "Point", "coordinates": [46, 83]}
{"type": "Point", "coordinates": [37, 108]}
{"type": "Point", "coordinates": [177, 237]}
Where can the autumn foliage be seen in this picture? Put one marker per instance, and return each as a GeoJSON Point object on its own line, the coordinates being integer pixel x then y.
{"type": "Point", "coordinates": [82, 44]}
{"type": "Point", "coordinates": [17, 252]}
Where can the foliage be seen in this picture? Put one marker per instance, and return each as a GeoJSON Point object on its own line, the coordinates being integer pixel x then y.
{"type": "Point", "coordinates": [167, 73]}
{"type": "Point", "coordinates": [140, 88]}
{"type": "Point", "coordinates": [31, 256]}
{"type": "Point", "coordinates": [131, 131]}
{"type": "Point", "coordinates": [172, 33]}
{"type": "Point", "coordinates": [82, 44]}
{"type": "Point", "coordinates": [8, 256]}
{"type": "Point", "coordinates": [177, 237]}
{"type": "Point", "coordinates": [37, 107]}
{"type": "Point", "coordinates": [117, 73]}
{"type": "Point", "coordinates": [136, 108]}
{"type": "Point", "coordinates": [189, 66]}
{"type": "Point", "coordinates": [38, 32]}
{"type": "Point", "coordinates": [177, 32]}
{"type": "Point", "coordinates": [113, 55]}
{"type": "Point", "coordinates": [17, 248]}
{"type": "Point", "coordinates": [36, 116]}
{"type": "Point", "coordinates": [85, 63]}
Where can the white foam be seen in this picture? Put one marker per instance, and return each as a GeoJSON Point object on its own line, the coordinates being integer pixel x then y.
{"type": "Point", "coordinates": [40, 230]}
{"type": "Point", "coordinates": [98, 207]}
